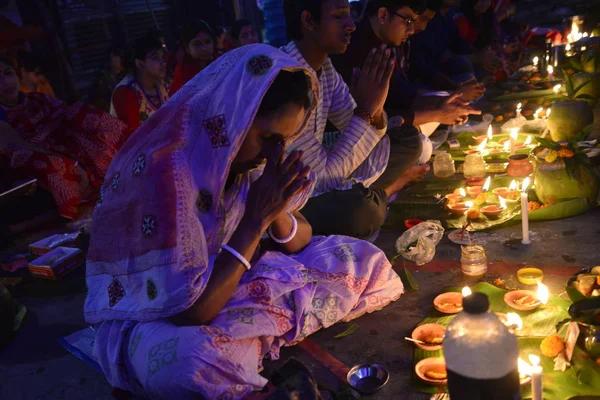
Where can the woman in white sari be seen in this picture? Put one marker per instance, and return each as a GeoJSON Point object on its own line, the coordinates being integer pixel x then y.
{"type": "Point", "coordinates": [179, 310]}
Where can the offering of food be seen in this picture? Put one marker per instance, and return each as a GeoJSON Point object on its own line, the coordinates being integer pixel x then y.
{"type": "Point", "coordinates": [436, 376]}
{"type": "Point", "coordinates": [429, 336]}
{"type": "Point", "coordinates": [433, 340]}
{"type": "Point", "coordinates": [552, 345]}
{"type": "Point", "coordinates": [448, 305]}
{"type": "Point", "coordinates": [449, 302]}
{"type": "Point", "coordinates": [536, 205]}
{"type": "Point", "coordinates": [474, 191]}
{"type": "Point", "coordinates": [473, 213]}
{"type": "Point", "coordinates": [526, 300]}
{"type": "Point", "coordinates": [588, 284]}
{"type": "Point", "coordinates": [491, 211]}
{"type": "Point", "coordinates": [512, 195]}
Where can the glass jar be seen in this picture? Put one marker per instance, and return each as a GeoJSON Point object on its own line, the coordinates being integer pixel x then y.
{"type": "Point", "coordinates": [473, 261]}
{"type": "Point", "coordinates": [474, 166]}
{"type": "Point", "coordinates": [443, 165]}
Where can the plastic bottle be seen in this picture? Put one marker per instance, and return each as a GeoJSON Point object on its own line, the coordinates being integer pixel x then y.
{"type": "Point", "coordinates": [481, 354]}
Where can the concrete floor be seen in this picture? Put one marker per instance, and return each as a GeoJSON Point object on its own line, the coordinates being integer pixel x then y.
{"type": "Point", "coordinates": [35, 366]}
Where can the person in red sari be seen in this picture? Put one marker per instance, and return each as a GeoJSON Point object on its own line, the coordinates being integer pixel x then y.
{"type": "Point", "coordinates": [67, 148]}
{"type": "Point", "coordinates": [198, 41]}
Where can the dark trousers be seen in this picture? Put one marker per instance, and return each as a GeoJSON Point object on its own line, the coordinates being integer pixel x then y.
{"type": "Point", "coordinates": [359, 212]}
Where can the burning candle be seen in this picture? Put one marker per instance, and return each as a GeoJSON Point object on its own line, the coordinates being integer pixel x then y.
{"type": "Point", "coordinates": [481, 147]}
{"type": "Point", "coordinates": [513, 186]}
{"type": "Point", "coordinates": [527, 141]}
{"type": "Point", "coordinates": [585, 34]}
{"type": "Point", "coordinates": [502, 203]}
{"type": "Point", "coordinates": [556, 88]}
{"type": "Point", "coordinates": [486, 185]}
{"type": "Point", "coordinates": [514, 134]}
{"type": "Point", "coordinates": [536, 114]}
{"type": "Point", "coordinates": [536, 60]}
{"type": "Point", "coordinates": [519, 110]}
{"type": "Point", "coordinates": [536, 377]}
{"type": "Point", "coordinates": [489, 132]}
{"type": "Point", "coordinates": [462, 192]}
{"type": "Point", "coordinates": [524, 368]}
{"type": "Point", "coordinates": [543, 294]}
{"type": "Point", "coordinates": [466, 291]}
{"type": "Point", "coordinates": [568, 47]}
{"type": "Point", "coordinates": [514, 321]}
{"type": "Point", "coordinates": [550, 70]}
{"type": "Point", "coordinates": [525, 212]}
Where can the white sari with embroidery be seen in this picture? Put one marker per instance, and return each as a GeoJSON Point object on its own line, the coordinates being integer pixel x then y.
{"type": "Point", "coordinates": [163, 218]}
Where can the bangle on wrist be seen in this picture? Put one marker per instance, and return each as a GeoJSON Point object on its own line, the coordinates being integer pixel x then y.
{"type": "Point", "coordinates": [290, 236]}
{"type": "Point", "coordinates": [237, 255]}
{"type": "Point", "coordinates": [362, 114]}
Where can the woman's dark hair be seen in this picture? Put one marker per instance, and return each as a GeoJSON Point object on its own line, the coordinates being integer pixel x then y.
{"type": "Point", "coordinates": [484, 23]}
{"type": "Point", "coordinates": [141, 48]}
{"type": "Point", "coordinates": [189, 31]}
{"type": "Point", "coordinates": [288, 87]}
{"type": "Point", "coordinates": [237, 27]}
{"type": "Point", "coordinates": [292, 9]}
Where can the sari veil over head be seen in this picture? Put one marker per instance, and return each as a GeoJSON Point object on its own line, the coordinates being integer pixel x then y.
{"type": "Point", "coordinates": [163, 214]}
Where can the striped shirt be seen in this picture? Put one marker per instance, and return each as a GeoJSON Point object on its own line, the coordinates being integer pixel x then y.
{"type": "Point", "coordinates": [359, 155]}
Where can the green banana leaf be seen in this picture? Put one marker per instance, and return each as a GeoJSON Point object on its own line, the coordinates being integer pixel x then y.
{"type": "Point", "coordinates": [466, 139]}
{"type": "Point", "coordinates": [525, 95]}
{"type": "Point", "coordinates": [483, 222]}
{"type": "Point", "coordinates": [537, 324]}
{"type": "Point", "coordinates": [581, 379]}
{"type": "Point", "coordinates": [564, 209]}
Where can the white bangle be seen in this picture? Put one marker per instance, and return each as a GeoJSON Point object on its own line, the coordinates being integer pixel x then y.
{"type": "Point", "coordinates": [237, 255]}
{"type": "Point", "coordinates": [290, 236]}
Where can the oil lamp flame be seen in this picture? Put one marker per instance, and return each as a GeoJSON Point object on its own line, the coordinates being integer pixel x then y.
{"type": "Point", "coordinates": [543, 294]}
{"type": "Point", "coordinates": [486, 185]}
{"type": "Point", "coordinates": [514, 321]}
{"type": "Point", "coordinates": [466, 291]}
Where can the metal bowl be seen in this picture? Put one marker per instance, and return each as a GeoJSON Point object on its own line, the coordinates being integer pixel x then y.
{"type": "Point", "coordinates": [368, 378]}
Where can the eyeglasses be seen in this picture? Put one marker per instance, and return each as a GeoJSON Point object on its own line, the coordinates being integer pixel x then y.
{"type": "Point", "coordinates": [409, 21]}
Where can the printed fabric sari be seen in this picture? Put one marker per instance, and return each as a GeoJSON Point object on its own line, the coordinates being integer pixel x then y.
{"type": "Point", "coordinates": [82, 141]}
{"type": "Point", "coordinates": [156, 233]}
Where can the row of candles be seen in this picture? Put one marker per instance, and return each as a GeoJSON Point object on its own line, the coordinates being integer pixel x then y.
{"type": "Point", "coordinates": [515, 323]}
{"type": "Point", "coordinates": [549, 68]}
{"type": "Point", "coordinates": [513, 187]}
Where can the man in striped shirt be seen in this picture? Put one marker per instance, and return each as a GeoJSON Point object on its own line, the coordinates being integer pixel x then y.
{"type": "Point", "coordinates": [354, 180]}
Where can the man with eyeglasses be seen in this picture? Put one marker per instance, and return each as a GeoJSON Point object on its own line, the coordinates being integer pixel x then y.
{"type": "Point", "coordinates": [391, 23]}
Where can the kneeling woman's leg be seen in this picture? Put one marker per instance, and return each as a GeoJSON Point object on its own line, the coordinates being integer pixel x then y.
{"type": "Point", "coordinates": [164, 361]}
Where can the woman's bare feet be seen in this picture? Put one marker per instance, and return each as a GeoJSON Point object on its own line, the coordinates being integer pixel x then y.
{"type": "Point", "coordinates": [414, 173]}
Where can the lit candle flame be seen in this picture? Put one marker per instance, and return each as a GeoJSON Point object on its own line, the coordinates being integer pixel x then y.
{"type": "Point", "coordinates": [519, 107]}
{"type": "Point", "coordinates": [583, 48]}
{"type": "Point", "coordinates": [466, 291]}
{"type": "Point", "coordinates": [568, 47]}
{"type": "Point", "coordinates": [462, 192]}
{"type": "Point", "coordinates": [486, 185]}
{"type": "Point", "coordinates": [548, 113]}
{"type": "Point", "coordinates": [489, 133]}
{"type": "Point", "coordinates": [514, 133]}
{"type": "Point", "coordinates": [527, 141]}
{"type": "Point", "coordinates": [585, 34]}
{"type": "Point", "coordinates": [547, 59]}
{"type": "Point", "coordinates": [537, 113]}
{"type": "Point", "coordinates": [535, 360]}
{"type": "Point", "coordinates": [524, 368]}
{"type": "Point", "coordinates": [469, 204]}
{"type": "Point", "coordinates": [550, 69]}
{"type": "Point", "coordinates": [536, 60]}
{"type": "Point", "coordinates": [513, 185]}
{"type": "Point", "coordinates": [526, 183]}
{"type": "Point", "coordinates": [556, 88]}
{"type": "Point", "coordinates": [502, 202]}
{"type": "Point", "coordinates": [481, 147]}
{"type": "Point", "coordinates": [543, 294]}
{"type": "Point", "coordinates": [513, 320]}
{"type": "Point", "coordinates": [506, 146]}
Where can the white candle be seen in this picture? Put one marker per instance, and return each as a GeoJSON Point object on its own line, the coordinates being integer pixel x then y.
{"type": "Point", "coordinates": [519, 110]}
{"type": "Point", "coordinates": [536, 377]}
{"type": "Point", "coordinates": [550, 70]}
{"type": "Point", "coordinates": [525, 212]}
{"type": "Point", "coordinates": [514, 135]}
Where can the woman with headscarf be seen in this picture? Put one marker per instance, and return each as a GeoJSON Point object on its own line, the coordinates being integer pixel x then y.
{"type": "Point", "coordinates": [67, 148]}
{"type": "Point", "coordinates": [183, 304]}
{"type": "Point", "coordinates": [199, 44]}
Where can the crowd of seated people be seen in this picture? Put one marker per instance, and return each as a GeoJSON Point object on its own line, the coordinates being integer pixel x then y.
{"type": "Point", "coordinates": [235, 196]}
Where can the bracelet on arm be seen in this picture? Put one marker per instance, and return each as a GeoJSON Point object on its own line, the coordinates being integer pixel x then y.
{"type": "Point", "coordinates": [290, 236]}
{"type": "Point", "coordinates": [237, 255]}
{"type": "Point", "coordinates": [362, 114]}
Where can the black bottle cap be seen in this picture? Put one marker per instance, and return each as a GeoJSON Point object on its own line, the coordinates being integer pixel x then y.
{"type": "Point", "coordinates": [476, 303]}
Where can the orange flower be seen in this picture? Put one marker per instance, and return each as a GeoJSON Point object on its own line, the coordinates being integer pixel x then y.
{"type": "Point", "coordinates": [566, 153]}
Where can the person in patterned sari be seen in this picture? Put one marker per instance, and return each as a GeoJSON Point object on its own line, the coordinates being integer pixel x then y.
{"type": "Point", "coordinates": [183, 302]}
{"type": "Point", "coordinates": [143, 90]}
{"type": "Point", "coordinates": [67, 148]}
